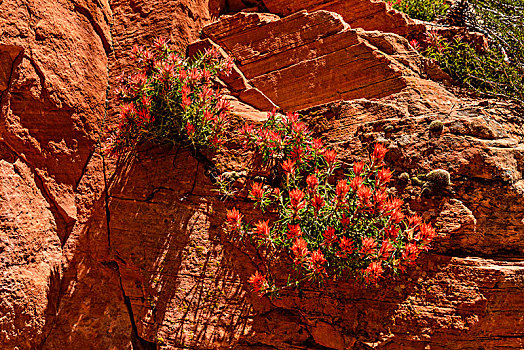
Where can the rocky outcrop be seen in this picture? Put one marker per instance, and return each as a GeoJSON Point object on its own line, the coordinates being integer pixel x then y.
{"type": "Point", "coordinates": [53, 78]}
{"type": "Point", "coordinates": [143, 263]}
{"type": "Point", "coordinates": [483, 152]}
{"type": "Point", "coordinates": [316, 53]}
{"type": "Point", "coordinates": [365, 14]}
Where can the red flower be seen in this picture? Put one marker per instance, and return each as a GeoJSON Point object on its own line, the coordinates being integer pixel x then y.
{"type": "Point", "coordinates": [317, 203]}
{"type": "Point", "coordinates": [294, 231]}
{"type": "Point", "coordinates": [358, 167]}
{"type": "Point", "coordinates": [342, 190]}
{"type": "Point", "coordinates": [234, 219]}
{"type": "Point", "coordinates": [386, 250]}
{"type": "Point", "coordinates": [426, 233]}
{"type": "Point", "coordinates": [378, 153]}
{"type": "Point", "coordinates": [186, 100]}
{"type": "Point", "coordinates": [212, 52]}
{"type": "Point", "coordinates": [380, 197]}
{"type": "Point", "coordinates": [415, 44]}
{"type": "Point", "coordinates": [262, 229]}
{"type": "Point", "coordinates": [329, 237]}
{"type": "Point", "coordinates": [190, 129]}
{"type": "Point", "coordinates": [182, 75]}
{"type": "Point", "coordinates": [384, 176]}
{"type": "Point", "coordinates": [317, 145]}
{"type": "Point", "coordinates": [393, 204]}
{"type": "Point", "coordinates": [368, 246]}
{"type": "Point", "coordinates": [175, 58]}
{"type": "Point", "coordinates": [208, 117]}
{"type": "Point", "coordinates": [223, 104]}
{"type": "Point", "coordinates": [247, 132]}
{"type": "Point", "coordinates": [364, 194]}
{"type": "Point", "coordinates": [316, 262]}
{"type": "Point", "coordinates": [347, 247]}
{"type": "Point", "coordinates": [290, 118]}
{"type": "Point", "coordinates": [373, 272]}
{"type": "Point", "coordinates": [217, 141]}
{"type": "Point", "coordinates": [300, 249]}
{"type": "Point", "coordinates": [288, 166]}
{"type": "Point", "coordinates": [330, 156]}
{"type": "Point", "coordinates": [160, 43]}
{"type": "Point", "coordinates": [147, 55]}
{"type": "Point", "coordinates": [396, 216]}
{"type": "Point", "coordinates": [299, 128]}
{"type": "Point", "coordinates": [410, 254]}
{"type": "Point", "coordinates": [257, 192]}
{"type": "Point", "coordinates": [146, 101]}
{"type": "Point", "coordinates": [414, 221]}
{"type": "Point", "coordinates": [296, 198]}
{"type": "Point", "coordinates": [195, 74]}
{"type": "Point", "coordinates": [127, 110]}
{"type": "Point", "coordinates": [206, 75]}
{"type": "Point", "coordinates": [297, 153]}
{"type": "Point", "coordinates": [345, 221]}
{"type": "Point", "coordinates": [356, 182]}
{"type": "Point", "coordinates": [144, 116]}
{"type": "Point", "coordinates": [275, 138]}
{"type": "Point", "coordinates": [258, 281]}
{"type": "Point", "coordinates": [205, 93]}
{"type": "Point", "coordinates": [391, 232]}
{"type": "Point", "coordinates": [136, 50]}
{"type": "Point", "coordinates": [312, 182]}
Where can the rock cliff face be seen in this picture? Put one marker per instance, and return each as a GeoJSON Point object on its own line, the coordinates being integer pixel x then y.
{"type": "Point", "coordinates": [98, 254]}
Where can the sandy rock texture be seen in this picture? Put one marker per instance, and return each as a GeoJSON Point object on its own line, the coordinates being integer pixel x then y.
{"type": "Point", "coordinates": [130, 254]}
{"type": "Point", "coordinates": [53, 80]}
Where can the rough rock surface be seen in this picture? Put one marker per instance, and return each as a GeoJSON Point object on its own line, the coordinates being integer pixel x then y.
{"type": "Point", "coordinates": [365, 14]}
{"type": "Point", "coordinates": [53, 78]}
{"type": "Point", "coordinates": [146, 264]}
{"type": "Point", "coordinates": [316, 53]}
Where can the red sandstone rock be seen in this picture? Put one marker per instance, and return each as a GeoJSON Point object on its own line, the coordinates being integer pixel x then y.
{"type": "Point", "coordinates": [53, 78]}
{"type": "Point", "coordinates": [30, 256]}
{"type": "Point", "coordinates": [153, 266]}
{"type": "Point", "coordinates": [317, 54]}
{"type": "Point", "coordinates": [235, 81]}
{"type": "Point", "coordinates": [366, 14]}
{"type": "Point", "coordinates": [482, 212]}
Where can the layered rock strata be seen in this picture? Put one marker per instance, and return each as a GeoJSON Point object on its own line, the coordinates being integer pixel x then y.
{"type": "Point", "coordinates": [146, 264]}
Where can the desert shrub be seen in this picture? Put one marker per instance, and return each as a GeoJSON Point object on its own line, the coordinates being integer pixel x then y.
{"type": "Point", "coordinates": [170, 99]}
{"type": "Point", "coordinates": [326, 226]}
{"type": "Point", "coordinates": [426, 10]}
{"type": "Point", "coordinates": [487, 72]}
{"type": "Point", "coordinates": [502, 21]}
{"type": "Point", "coordinates": [496, 71]}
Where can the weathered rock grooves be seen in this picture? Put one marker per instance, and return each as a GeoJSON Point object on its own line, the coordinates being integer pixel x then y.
{"type": "Point", "coordinates": [98, 254]}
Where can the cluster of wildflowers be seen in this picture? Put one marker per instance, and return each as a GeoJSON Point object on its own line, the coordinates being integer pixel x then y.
{"type": "Point", "coordinates": [328, 227]}
{"type": "Point", "coordinates": [170, 98]}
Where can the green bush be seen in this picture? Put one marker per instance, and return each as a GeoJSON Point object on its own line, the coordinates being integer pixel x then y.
{"type": "Point", "coordinates": [327, 228]}
{"type": "Point", "coordinates": [170, 99]}
{"type": "Point", "coordinates": [426, 10]}
{"type": "Point", "coordinates": [486, 72]}
{"type": "Point", "coordinates": [497, 71]}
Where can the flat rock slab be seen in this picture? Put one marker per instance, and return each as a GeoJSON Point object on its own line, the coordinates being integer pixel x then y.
{"type": "Point", "coordinates": [316, 54]}
{"type": "Point", "coordinates": [365, 14]}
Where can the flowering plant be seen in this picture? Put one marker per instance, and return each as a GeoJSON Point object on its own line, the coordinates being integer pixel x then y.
{"type": "Point", "coordinates": [170, 98]}
{"type": "Point", "coordinates": [328, 228]}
